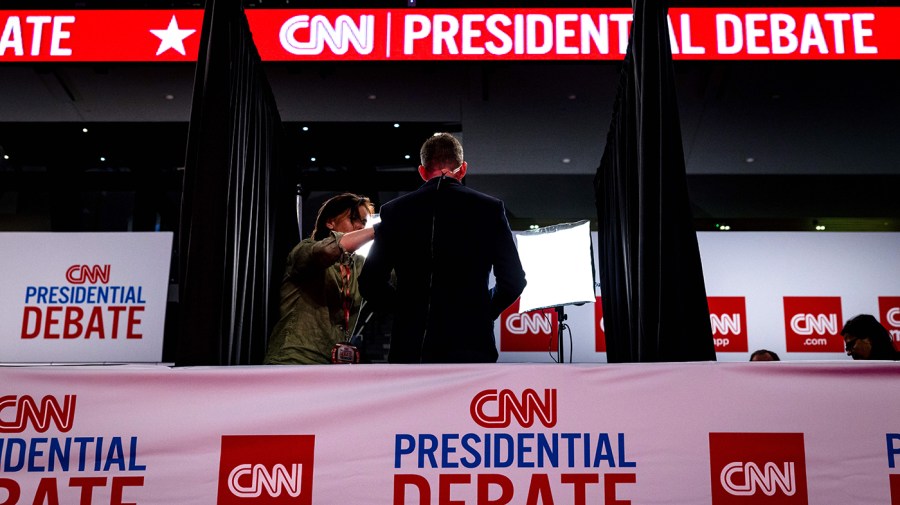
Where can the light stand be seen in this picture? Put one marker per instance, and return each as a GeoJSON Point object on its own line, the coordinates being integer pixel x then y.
{"type": "Point", "coordinates": [561, 328]}
{"type": "Point", "coordinates": [299, 209]}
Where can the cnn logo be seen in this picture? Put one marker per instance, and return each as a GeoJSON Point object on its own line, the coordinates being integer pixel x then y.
{"type": "Point", "coordinates": [529, 322]}
{"type": "Point", "coordinates": [497, 409]}
{"type": "Point", "coordinates": [728, 320]}
{"type": "Point", "coordinates": [889, 310]}
{"type": "Point", "coordinates": [743, 478]}
{"type": "Point", "coordinates": [250, 481]}
{"type": "Point", "coordinates": [16, 413]}
{"type": "Point", "coordinates": [813, 323]}
{"type": "Point", "coordinates": [319, 32]}
{"type": "Point", "coordinates": [758, 468]}
{"type": "Point", "coordinates": [269, 469]}
{"type": "Point", "coordinates": [91, 274]}
{"type": "Point", "coordinates": [533, 331]}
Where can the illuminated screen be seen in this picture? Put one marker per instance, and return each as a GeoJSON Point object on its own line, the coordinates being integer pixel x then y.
{"type": "Point", "coordinates": [559, 266]}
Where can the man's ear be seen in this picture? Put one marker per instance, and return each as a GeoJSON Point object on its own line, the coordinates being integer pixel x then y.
{"type": "Point", "coordinates": [462, 170]}
{"type": "Point", "coordinates": [423, 172]}
{"type": "Point", "coordinates": [329, 224]}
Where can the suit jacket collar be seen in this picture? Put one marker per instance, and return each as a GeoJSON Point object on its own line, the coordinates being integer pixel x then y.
{"type": "Point", "coordinates": [432, 183]}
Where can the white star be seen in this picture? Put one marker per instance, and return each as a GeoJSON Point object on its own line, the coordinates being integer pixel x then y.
{"type": "Point", "coordinates": [172, 37]}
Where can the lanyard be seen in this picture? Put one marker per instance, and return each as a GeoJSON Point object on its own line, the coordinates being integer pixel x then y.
{"type": "Point", "coordinates": [346, 265]}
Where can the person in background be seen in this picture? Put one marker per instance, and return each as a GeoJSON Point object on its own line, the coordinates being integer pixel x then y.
{"type": "Point", "coordinates": [764, 355]}
{"type": "Point", "coordinates": [442, 241]}
{"type": "Point", "coordinates": [866, 339]}
{"type": "Point", "coordinates": [319, 295]}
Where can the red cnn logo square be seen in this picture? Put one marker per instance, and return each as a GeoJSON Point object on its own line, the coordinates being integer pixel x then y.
{"type": "Point", "coordinates": [267, 469]}
{"type": "Point", "coordinates": [599, 330]}
{"type": "Point", "coordinates": [813, 323]}
{"type": "Point", "coordinates": [895, 488]}
{"type": "Point", "coordinates": [534, 331]}
{"type": "Point", "coordinates": [728, 319]}
{"type": "Point", "coordinates": [757, 469]}
{"type": "Point", "coordinates": [889, 309]}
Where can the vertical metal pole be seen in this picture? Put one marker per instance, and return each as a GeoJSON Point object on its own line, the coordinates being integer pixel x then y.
{"type": "Point", "coordinates": [560, 318]}
{"type": "Point", "coordinates": [300, 210]}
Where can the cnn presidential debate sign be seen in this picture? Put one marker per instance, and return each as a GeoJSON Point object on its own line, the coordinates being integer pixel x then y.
{"type": "Point", "coordinates": [524, 434]}
{"type": "Point", "coordinates": [717, 33]}
{"type": "Point", "coordinates": [83, 297]}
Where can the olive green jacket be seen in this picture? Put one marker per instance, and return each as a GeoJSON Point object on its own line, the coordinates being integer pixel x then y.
{"type": "Point", "coordinates": [312, 303]}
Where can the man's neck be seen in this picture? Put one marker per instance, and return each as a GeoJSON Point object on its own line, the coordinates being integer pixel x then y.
{"type": "Point", "coordinates": [444, 173]}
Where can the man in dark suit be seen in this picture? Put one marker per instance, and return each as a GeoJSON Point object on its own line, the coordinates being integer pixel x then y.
{"type": "Point", "coordinates": [442, 241]}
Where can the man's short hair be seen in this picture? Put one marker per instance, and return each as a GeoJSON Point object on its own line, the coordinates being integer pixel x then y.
{"type": "Point", "coordinates": [763, 352]}
{"type": "Point", "coordinates": [441, 151]}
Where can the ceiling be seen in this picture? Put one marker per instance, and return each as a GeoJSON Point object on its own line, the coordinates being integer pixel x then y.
{"type": "Point", "coordinates": [768, 145]}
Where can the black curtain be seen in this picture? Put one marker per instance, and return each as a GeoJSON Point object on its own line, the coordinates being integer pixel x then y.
{"type": "Point", "coordinates": [651, 278]}
{"type": "Point", "coordinates": [229, 201]}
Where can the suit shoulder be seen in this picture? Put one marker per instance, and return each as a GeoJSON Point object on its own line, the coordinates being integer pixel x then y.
{"type": "Point", "coordinates": [396, 203]}
{"type": "Point", "coordinates": [482, 198]}
{"type": "Point", "coordinates": [406, 198]}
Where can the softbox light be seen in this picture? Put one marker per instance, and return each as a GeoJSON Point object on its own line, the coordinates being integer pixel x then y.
{"type": "Point", "coordinates": [559, 266]}
{"type": "Point", "coordinates": [370, 223]}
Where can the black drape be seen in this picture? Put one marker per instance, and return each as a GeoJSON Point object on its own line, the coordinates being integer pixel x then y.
{"type": "Point", "coordinates": [651, 278]}
{"type": "Point", "coordinates": [228, 204]}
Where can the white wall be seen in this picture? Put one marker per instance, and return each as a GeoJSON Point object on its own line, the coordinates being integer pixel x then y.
{"type": "Point", "coordinates": [763, 268]}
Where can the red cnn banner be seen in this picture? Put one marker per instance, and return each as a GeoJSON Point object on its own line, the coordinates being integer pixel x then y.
{"type": "Point", "coordinates": [889, 310]}
{"type": "Point", "coordinates": [599, 328]}
{"type": "Point", "coordinates": [100, 35]}
{"type": "Point", "coordinates": [813, 324]}
{"type": "Point", "coordinates": [573, 34]}
{"type": "Point", "coordinates": [834, 33]}
{"type": "Point", "coordinates": [535, 331]}
{"type": "Point", "coordinates": [758, 468]}
{"type": "Point", "coordinates": [728, 319]}
{"type": "Point", "coordinates": [268, 469]}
